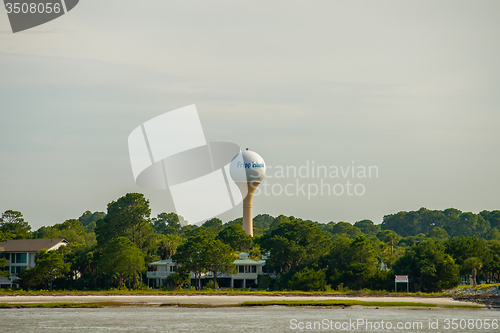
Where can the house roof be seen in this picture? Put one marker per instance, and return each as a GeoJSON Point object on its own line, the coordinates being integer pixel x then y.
{"type": "Point", "coordinates": [163, 262]}
{"type": "Point", "coordinates": [30, 245]}
{"type": "Point", "coordinates": [242, 260]}
{"type": "Point", "coordinates": [246, 262]}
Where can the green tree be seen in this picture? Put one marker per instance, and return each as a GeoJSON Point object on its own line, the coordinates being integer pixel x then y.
{"type": "Point", "coordinates": [191, 256]}
{"type": "Point", "coordinates": [474, 264]}
{"type": "Point", "coordinates": [277, 221]}
{"type": "Point", "coordinates": [126, 217]}
{"type": "Point", "coordinates": [122, 258]}
{"type": "Point", "coordinates": [389, 237]}
{"type": "Point", "coordinates": [219, 258]}
{"type": "Point", "coordinates": [168, 244]}
{"type": "Point", "coordinates": [214, 225]}
{"type": "Point", "coordinates": [463, 248]}
{"type": "Point", "coordinates": [13, 225]}
{"type": "Point", "coordinates": [343, 229]}
{"type": "Point", "coordinates": [403, 223]}
{"type": "Point", "coordinates": [493, 234]}
{"type": "Point", "coordinates": [83, 261]}
{"type": "Point", "coordinates": [167, 223]}
{"type": "Point", "coordinates": [50, 265]}
{"type": "Point", "coordinates": [234, 236]}
{"type": "Point", "coordinates": [294, 243]}
{"type": "Point", "coordinates": [3, 272]}
{"type": "Point", "coordinates": [367, 227]}
{"type": "Point", "coordinates": [382, 252]}
{"type": "Point", "coordinates": [308, 280]}
{"type": "Point", "coordinates": [492, 263]}
{"type": "Point", "coordinates": [430, 268]}
{"type": "Point", "coordinates": [493, 217]}
{"type": "Point", "coordinates": [71, 230]}
{"type": "Point", "coordinates": [439, 233]}
{"type": "Point", "coordinates": [177, 279]}
{"type": "Point", "coordinates": [29, 278]}
{"type": "Point", "coordinates": [362, 263]}
{"type": "Point", "coordinates": [89, 219]}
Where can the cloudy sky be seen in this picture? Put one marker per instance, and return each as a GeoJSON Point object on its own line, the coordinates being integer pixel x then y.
{"type": "Point", "coordinates": [411, 87]}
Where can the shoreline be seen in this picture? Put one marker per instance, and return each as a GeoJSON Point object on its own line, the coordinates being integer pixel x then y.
{"type": "Point", "coordinates": [221, 300]}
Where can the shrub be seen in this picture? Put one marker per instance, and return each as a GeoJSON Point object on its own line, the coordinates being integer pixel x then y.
{"type": "Point", "coordinates": [308, 280]}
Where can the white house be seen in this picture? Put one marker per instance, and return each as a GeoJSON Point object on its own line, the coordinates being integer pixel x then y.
{"type": "Point", "coordinates": [20, 254]}
{"type": "Point", "coordinates": [247, 271]}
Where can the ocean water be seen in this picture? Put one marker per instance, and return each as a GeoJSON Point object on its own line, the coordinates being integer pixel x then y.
{"type": "Point", "coordinates": [259, 319]}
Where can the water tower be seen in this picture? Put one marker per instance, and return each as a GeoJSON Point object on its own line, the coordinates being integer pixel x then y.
{"type": "Point", "coordinates": [247, 170]}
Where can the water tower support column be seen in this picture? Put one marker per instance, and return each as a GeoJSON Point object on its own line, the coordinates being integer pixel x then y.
{"type": "Point", "coordinates": [247, 205]}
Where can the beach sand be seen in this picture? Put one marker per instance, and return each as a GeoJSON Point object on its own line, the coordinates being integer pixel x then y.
{"type": "Point", "coordinates": [210, 299]}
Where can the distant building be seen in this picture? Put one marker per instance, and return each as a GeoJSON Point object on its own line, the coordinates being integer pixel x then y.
{"type": "Point", "coordinates": [247, 271]}
{"type": "Point", "coordinates": [20, 254]}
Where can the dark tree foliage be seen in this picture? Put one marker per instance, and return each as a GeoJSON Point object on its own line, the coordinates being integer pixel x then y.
{"type": "Point", "coordinates": [300, 251]}
{"type": "Point", "coordinates": [214, 225]}
{"type": "Point", "coordinates": [367, 227]}
{"type": "Point", "coordinates": [294, 243]}
{"type": "Point", "coordinates": [343, 229]}
{"type": "Point", "coordinates": [308, 280]}
{"type": "Point", "coordinates": [389, 237]}
{"type": "Point", "coordinates": [261, 222]}
{"type": "Point", "coordinates": [49, 266]}
{"type": "Point", "coordinates": [463, 248]}
{"type": "Point", "coordinates": [453, 221]}
{"type": "Point", "coordinates": [492, 259]}
{"type": "Point", "coordinates": [350, 263]}
{"type": "Point", "coordinates": [430, 268]}
{"type": "Point", "coordinates": [234, 236]}
{"type": "Point", "coordinates": [167, 223]}
{"type": "Point", "coordinates": [493, 217]}
{"type": "Point", "coordinates": [13, 226]}
{"type": "Point", "coordinates": [122, 259]}
{"type": "Point", "coordinates": [191, 256]}
{"type": "Point", "coordinates": [439, 233]}
{"type": "Point", "coordinates": [89, 219]}
{"type": "Point", "coordinates": [127, 217]}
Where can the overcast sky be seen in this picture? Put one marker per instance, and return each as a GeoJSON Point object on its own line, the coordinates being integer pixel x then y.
{"type": "Point", "coordinates": [411, 87]}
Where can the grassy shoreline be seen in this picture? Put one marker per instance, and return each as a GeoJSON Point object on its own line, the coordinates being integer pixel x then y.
{"type": "Point", "coordinates": [318, 304]}
{"type": "Point", "coordinates": [59, 305]}
{"type": "Point", "coordinates": [353, 293]}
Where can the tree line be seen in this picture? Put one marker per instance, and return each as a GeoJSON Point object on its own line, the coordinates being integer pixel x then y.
{"type": "Point", "coordinates": [112, 249]}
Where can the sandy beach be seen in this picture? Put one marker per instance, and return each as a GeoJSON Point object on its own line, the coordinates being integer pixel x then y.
{"type": "Point", "coordinates": [209, 299]}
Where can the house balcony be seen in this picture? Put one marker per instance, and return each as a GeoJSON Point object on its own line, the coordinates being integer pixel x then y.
{"type": "Point", "coordinates": [157, 275]}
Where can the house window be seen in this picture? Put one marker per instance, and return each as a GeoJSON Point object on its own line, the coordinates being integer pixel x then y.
{"type": "Point", "coordinates": [12, 270]}
{"type": "Point", "coordinates": [20, 258]}
{"type": "Point", "coordinates": [7, 256]}
{"type": "Point", "coordinates": [254, 269]}
{"type": "Point", "coordinates": [241, 269]}
{"type": "Point", "coordinates": [19, 269]}
{"type": "Point", "coordinates": [172, 268]}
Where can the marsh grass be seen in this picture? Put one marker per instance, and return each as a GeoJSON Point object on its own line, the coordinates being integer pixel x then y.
{"type": "Point", "coordinates": [339, 303]}
{"type": "Point", "coordinates": [463, 306]}
{"type": "Point", "coordinates": [364, 292]}
{"type": "Point", "coordinates": [61, 305]}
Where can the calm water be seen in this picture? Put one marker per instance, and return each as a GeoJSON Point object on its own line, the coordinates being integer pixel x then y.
{"type": "Point", "coordinates": [270, 319]}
